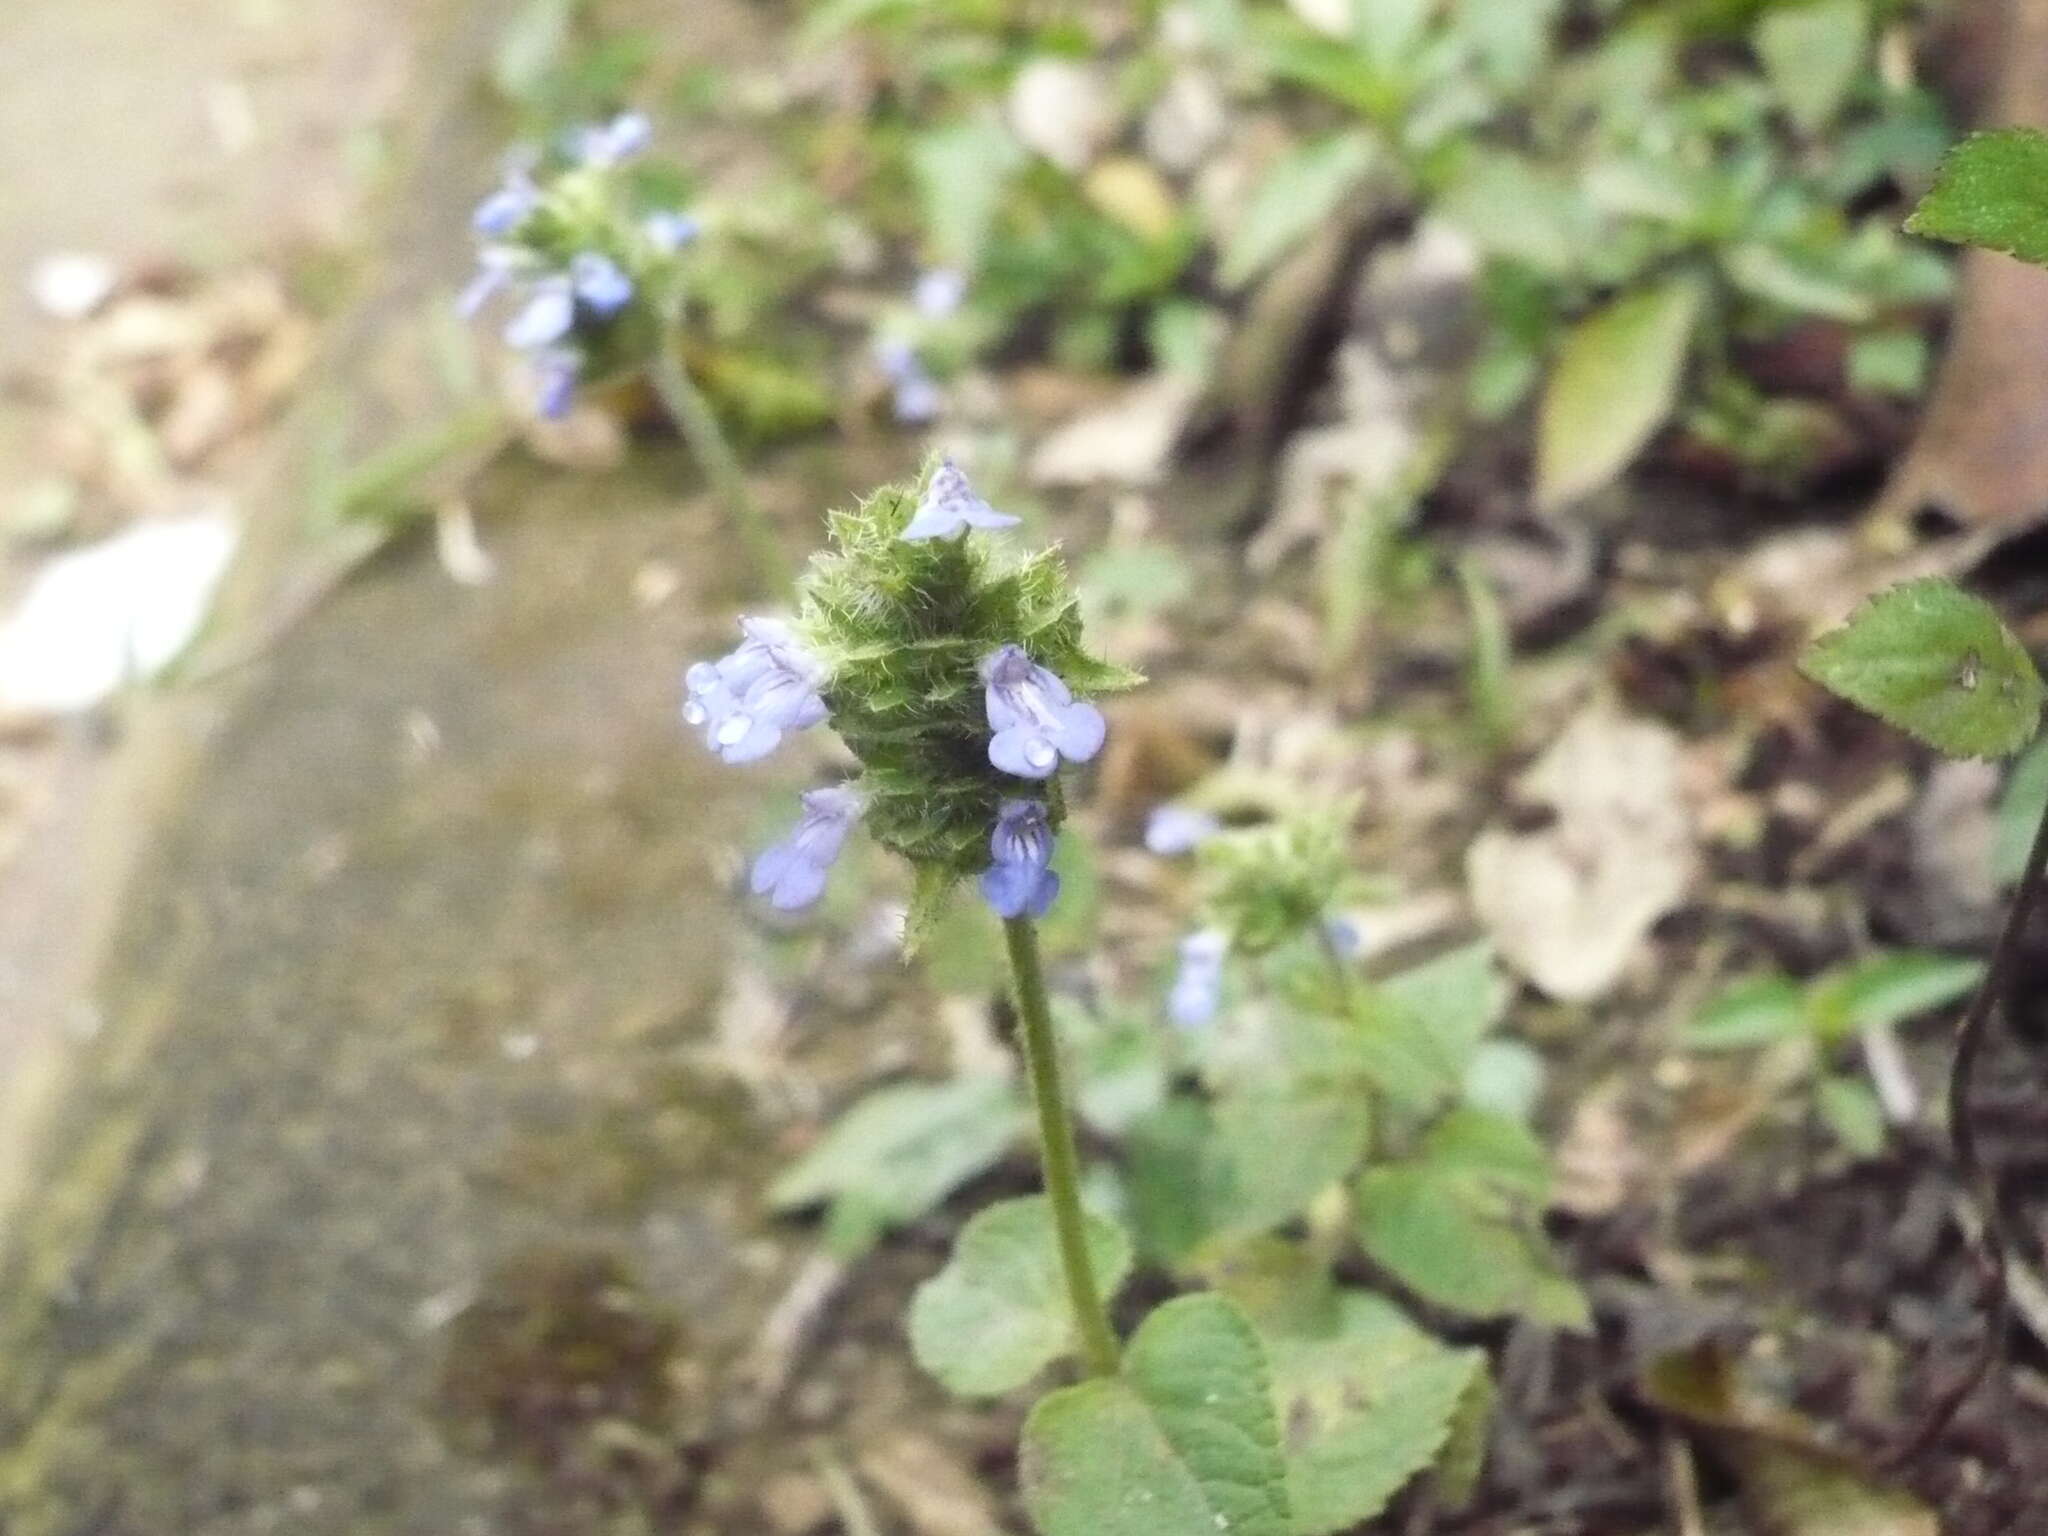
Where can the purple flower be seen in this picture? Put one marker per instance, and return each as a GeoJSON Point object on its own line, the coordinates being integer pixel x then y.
{"type": "Point", "coordinates": [939, 292]}
{"type": "Point", "coordinates": [1019, 883]}
{"type": "Point", "coordinates": [545, 318]}
{"type": "Point", "coordinates": [671, 231]}
{"type": "Point", "coordinates": [896, 358]}
{"type": "Point", "coordinates": [495, 266]}
{"type": "Point", "coordinates": [950, 507]}
{"type": "Point", "coordinates": [508, 207]}
{"type": "Point", "coordinates": [1343, 935]}
{"type": "Point", "coordinates": [792, 873]}
{"type": "Point", "coordinates": [607, 144]}
{"type": "Point", "coordinates": [1035, 718]}
{"type": "Point", "coordinates": [1197, 990]}
{"type": "Point", "coordinates": [600, 283]}
{"type": "Point", "coordinates": [1172, 830]}
{"type": "Point", "coordinates": [747, 701]}
{"type": "Point", "coordinates": [917, 400]}
{"type": "Point", "coordinates": [557, 372]}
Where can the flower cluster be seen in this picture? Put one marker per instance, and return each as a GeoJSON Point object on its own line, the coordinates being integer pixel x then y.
{"type": "Point", "coordinates": [1264, 886]}
{"type": "Point", "coordinates": [949, 669]}
{"type": "Point", "coordinates": [917, 398]}
{"type": "Point", "coordinates": [560, 240]}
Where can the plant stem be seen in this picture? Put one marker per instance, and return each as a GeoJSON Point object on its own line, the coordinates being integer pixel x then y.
{"type": "Point", "coordinates": [698, 423]}
{"type": "Point", "coordinates": [1978, 1185]}
{"type": "Point", "coordinates": [1062, 1164]}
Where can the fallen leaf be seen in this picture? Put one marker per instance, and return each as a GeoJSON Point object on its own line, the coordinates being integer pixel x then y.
{"type": "Point", "coordinates": [1568, 903]}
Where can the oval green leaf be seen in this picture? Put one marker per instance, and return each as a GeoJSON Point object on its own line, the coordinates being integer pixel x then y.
{"type": "Point", "coordinates": [1937, 663]}
{"type": "Point", "coordinates": [1184, 1440]}
{"type": "Point", "coordinates": [997, 1314]}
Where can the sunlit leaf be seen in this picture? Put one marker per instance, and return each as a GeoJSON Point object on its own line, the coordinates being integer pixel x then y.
{"type": "Point", "coordinates": [1295, 197]}
{"type": "Point", "coordinates": [1937, 663]}
{"type": "Point", "coordinates": [1811, 54]}
{"type": "Point", "coordinates": [1754, 1011]}
{"type": "Point", "coordinates": [997, 1314]}
{"type": "Point", "coordinates": [1992, 192]}
{"type": "Point", "coordinates": [1894, 985]}
{"type": "Point", "coordinates": [1184, 1440]}
{"type": "Point", "coordinates": [1614, 384]}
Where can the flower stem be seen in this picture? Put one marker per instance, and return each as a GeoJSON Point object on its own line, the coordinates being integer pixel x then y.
{"type": "Point", "coordinates": [1062, 1164]}
{"type": "Point", "coordinates": [698, 423]}
{"type": "Point", "coordinates": [1979, 1184]}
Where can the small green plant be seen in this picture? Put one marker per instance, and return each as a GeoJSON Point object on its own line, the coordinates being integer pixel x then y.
{"type": "Point", "coordinates": [1822, 1015]}
{"type": "Point", "coordinates": [1939, 664]}
{"type": "Point", "coordinates": [1286, 1118]}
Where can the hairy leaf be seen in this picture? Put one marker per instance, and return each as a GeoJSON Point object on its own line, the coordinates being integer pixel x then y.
{"type": "Point", "coordinates": [1937, 663]}
{"type": "Point", "coordinates": [997, 1314]}
{"type": "Point", "coordinates": [1452, 1246]}
{"type": "Point", "coordinates": [1993, 192]}
{"type": "Point", "coordinates": [1183, 1441]}
{"type": "Point", "coordinates": [1366, 1402]}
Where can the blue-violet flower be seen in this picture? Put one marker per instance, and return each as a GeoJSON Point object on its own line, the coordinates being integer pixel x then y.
{"type": "Point", "coordinates": [792, 873]}
{"type": "Point", "coordinates": [600, 283]}
{"type": "Point", "coordinates": [607, 144]}
{"type": "Point", "coordinates": [545, 318]}
{"type": "Point", "coordinates": [1036, 719]}
{"type": "Point", "coordinates": [1197, 990]}
{"type": "Point", "coordinates": [1172, 830]}
{"type": "Point", "coordinates": [671, 231]}
{"type": "Point", "coordinates": [950, 507]}
{"type": "Point", "coordinates": [748, 701]}
{"type": "Point", "coordinates": [1019, 882]}
{"type": "Point", "coordinates": [939, 293]}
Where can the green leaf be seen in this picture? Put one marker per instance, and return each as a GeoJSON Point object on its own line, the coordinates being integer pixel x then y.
{"type": "Point", "coordinates": [1368, 1401]}
{"type": "Point", "coordinates": [1614, 384]}
{"type": "Point", "coordinates": [962, 173]}
{"type": "Point", "coordinates": [2020, 810]}
{"type": "Point", "coordinates": [1891, 987]}
{"type": "Point", "coordinates": [1852, 1112]}
{"type": "Point", "coordinates": [1754, 1011]}
{"type": "Point", "coordinates": [1184, 1441]}
{"type": "Point", "coordinates": [1461, 1462]}
{"type": "Point", "coordinates": [1284, 1147]}
{"type": "Point", "coordinates": [997, 1314]}
{"type": "Point", "coordinates": [1297, 194]}
{"type": "Point", "coordinates": [1513, 208]}
{"type": "Point", "coordinates": [1416, 1033]}
{"type": "Point", "coordinates": [1178, 1179]}
{"type": "Point", "coordinates": [1453, 1247]}
{"type": "Point", "coordinates": [530, 47]}
{"type": "Point", "coordinates": [1889, 363]}
{"type": "Point", "coordinates": [1992, 191]}
{"type": "Point", "coordinates": [901, 1150]}
{"type": "Point", "coordinates": [1811, 55]}
{"type": "Point", "coordinates": [1387, 31]}
{"type": "Point", "coordinates": [1782, 278]}
{"type": "Point", "coordinates": [1506, 1077]}
{"type": "Point", "coordinates": [1492, 1150]}
{"type": "Point", "coordinates": [1937, 663]}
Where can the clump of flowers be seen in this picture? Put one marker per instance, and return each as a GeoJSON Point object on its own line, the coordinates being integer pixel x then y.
{"type": "Point", "coordinates": [584, 268]}
{"type": "Point", "coordinates": [953, 669]}
{"type": "Point", "coordinates": [1262, 887]}
{"type": "Point", "coordinates": [905, 341]}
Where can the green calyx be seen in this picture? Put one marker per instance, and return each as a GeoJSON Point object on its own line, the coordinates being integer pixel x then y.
{"type": "Point", "coordinates": [903, 629]}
